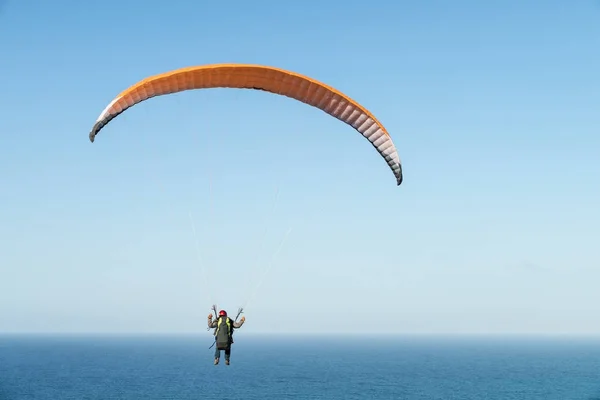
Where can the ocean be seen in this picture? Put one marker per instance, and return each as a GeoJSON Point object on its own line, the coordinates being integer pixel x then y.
{"type": "Point", "coordinates": [262, 367]}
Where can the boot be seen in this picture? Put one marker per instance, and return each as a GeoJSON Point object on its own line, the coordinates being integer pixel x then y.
{"type": "Point", "coordinates": [226, 362]}
{"type": "Point", "coordinates": [216, 361]}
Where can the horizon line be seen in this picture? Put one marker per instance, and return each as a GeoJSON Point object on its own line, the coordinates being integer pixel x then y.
{"type": "Point", "coordinates": [309, 334]}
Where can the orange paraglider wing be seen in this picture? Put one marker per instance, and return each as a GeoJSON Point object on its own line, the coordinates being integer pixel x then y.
{"type": "Point", "coordinates": [257, 77]}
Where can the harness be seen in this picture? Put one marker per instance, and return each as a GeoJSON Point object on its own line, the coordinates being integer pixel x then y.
{"type": "Point", "coordinates": [228, 323]}
{"type": "Point", "coordinates": [222, 345]}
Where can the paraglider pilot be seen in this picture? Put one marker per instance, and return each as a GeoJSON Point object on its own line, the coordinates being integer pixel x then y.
{"type": "Point", "coordinates": [224, 334]}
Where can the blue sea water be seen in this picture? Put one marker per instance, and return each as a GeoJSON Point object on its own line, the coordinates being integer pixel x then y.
{"type": "Point", "coordinates": [86, 367]}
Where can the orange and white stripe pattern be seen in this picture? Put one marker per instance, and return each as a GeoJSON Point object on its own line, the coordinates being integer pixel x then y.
{"type": "Point", "coordinates": [257, 77]}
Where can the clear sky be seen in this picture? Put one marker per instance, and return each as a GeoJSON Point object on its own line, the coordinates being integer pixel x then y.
{"type": "Point", "coordinates": [493, 106]}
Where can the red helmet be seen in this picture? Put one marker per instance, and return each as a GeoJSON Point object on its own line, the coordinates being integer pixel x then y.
{"type": "Point", "coordinates": [222, 313]}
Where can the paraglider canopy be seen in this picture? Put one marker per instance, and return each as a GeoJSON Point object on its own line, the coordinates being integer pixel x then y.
{"type": "Point", "coordinates": [257, 77]}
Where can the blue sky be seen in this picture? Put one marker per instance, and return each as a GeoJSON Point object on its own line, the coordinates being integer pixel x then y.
{"type": "Point", "coordinates": [493, 108]}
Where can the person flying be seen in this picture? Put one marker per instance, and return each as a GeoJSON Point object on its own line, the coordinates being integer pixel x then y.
{"type": "Point", "coordinates": [224, 334]}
